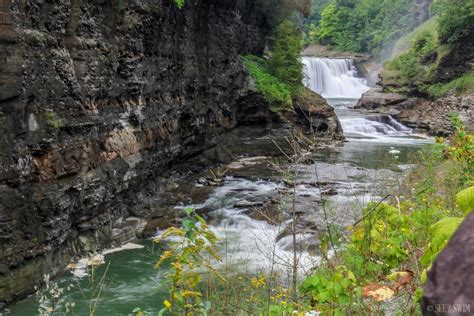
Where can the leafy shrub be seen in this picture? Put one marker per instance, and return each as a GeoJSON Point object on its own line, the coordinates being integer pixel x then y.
{"type": "Point", "coordinates": [190, 251]}
{"type": "Point", "coordinates": [331, 286]}
{"type": "Point", "coordinates": [407, 68]}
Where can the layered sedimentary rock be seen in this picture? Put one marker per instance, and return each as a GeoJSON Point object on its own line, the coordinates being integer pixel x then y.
{"type": "Point", "coordinates": [96, 99]}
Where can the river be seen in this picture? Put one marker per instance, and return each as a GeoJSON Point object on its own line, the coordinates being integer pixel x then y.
{"type": "Point", "coordinates": [332, 188]}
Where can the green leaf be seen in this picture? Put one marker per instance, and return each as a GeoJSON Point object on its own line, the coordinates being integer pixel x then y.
{"type": "Point", "coordinates": [444, 229]}
{"type": "Point", "coordinates": [162, 312]}
{"type": "Point", "coordinates": [189, 211]}
{"type": "Point", "coordinates": [188, 225]}
{"type": "Point", "coordinates": [207, 306]}
{"type": "Point", "coordinates": [323, 296]}
{"type": "Point", "coordinates": [465, 200]}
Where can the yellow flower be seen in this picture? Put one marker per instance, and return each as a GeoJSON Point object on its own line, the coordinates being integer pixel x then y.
{"type": "Point", "coordinates": [167, 304]}
{"type": "Point", "coordinates": [186, 293]}
{"type": "Point", "coordinates": [283, 303]}
{"type": "Point", "coordinates": [256, 282]}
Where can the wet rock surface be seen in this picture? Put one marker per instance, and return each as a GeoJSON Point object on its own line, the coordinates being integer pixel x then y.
{"type": "Point", "coordinates": [317, 116]}
{"type": "Point", "coordinates": [449, 282]}
{"type": "Point", "coordinates": [429, 116]}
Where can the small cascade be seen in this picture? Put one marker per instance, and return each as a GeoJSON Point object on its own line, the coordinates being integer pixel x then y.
{"type": "Point", "coordinates": [374, 125]}
{"type": "Point", "coordinates": [333, 78]}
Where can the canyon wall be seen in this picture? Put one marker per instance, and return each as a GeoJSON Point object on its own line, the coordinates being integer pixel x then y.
{"type": "Point", "coordinates": [97, 98]}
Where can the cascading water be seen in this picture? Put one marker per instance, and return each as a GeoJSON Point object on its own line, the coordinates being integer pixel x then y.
{"type": "Point", "coordinates": [252, 211]}
{"type": "Point", "coordinates": [336, 80]}
{"type": "Point", "coordinates": [333, 78]}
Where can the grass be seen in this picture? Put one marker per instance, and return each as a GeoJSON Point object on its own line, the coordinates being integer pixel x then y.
{"type": "Point", "coordinates": [277, 93]}
{"type": "Point", "coordinates": [406, 41]}
{"type": "Point", "coordinates": [461, 85]}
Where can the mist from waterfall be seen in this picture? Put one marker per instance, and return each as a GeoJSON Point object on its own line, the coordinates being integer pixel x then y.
{"type": "Point", "coordinates": [333, 78]}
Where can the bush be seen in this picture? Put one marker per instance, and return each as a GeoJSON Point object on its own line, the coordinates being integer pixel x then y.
{"type": "Point", "coordinates": [456, 19]}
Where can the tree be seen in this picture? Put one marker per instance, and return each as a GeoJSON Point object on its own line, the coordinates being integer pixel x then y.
{"type": "Point", "coordinates": [456, 19]}
{"type": "Point", "coordinates": [285, 63]}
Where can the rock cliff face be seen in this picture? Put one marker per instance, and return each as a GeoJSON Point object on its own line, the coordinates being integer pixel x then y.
{"type": "Point", "coordinates": [96, 99]}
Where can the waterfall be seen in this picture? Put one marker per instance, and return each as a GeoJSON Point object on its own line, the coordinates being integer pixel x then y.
{"type": "Point", "coordinates": [333, 78]}
{"type": "Point", "coordinates": [336, 80]}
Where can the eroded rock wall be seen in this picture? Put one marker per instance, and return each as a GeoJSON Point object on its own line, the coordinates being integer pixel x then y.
{"type": "Point", "coordinates": [97, 98]}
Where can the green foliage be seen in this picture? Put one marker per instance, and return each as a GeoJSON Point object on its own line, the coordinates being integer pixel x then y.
{"type": "Point", "coordinates": [275, 92]}
{"type": "Point", "coordinates": [191, 251]}
{"type": "Point", "coordinates": [442, 230]}
{"type": "Point", "coordinates": [456, 19]}
{"type": "Point", "coordinates": [409, 68]}
{"type": "Point", "coordinates": [405, 42]}
{"type": "Point", "coordinates": [461, 149]}
{"type": "Point", "coordinates": [429, 43]}
{"type": "Point", "coordinates": [280, 78]}
{"type": "Point", "coordinates": [461, 85]}
{"type": "Point", "coordinates": [285, 63]}
{"type": "Point", "coordinates": [331, 289]}
{"type": "Point", "coordinates": [465, 200]}
{"type": "Point", "coordinates": [53, 121]}
{"type": "Point", "coordinates": [180, 3]}
{"type": "Point", "coordinates": [405, 237]}
{"type": "Point", "coordinates": [363, 25]}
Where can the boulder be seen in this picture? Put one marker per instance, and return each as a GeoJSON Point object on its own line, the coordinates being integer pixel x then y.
{"type": "Point", "coordinates": [317, 115]}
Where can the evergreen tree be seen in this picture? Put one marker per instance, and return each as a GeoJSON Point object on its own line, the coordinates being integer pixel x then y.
{"type": "Point", "coordinates": [285, 63]}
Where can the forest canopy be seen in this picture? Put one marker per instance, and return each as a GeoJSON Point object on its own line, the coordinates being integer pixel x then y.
{"type": "Point", "coordinates": [362, 25]}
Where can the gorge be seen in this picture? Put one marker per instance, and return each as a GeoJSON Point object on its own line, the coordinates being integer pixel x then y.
{"type": "Point", "coordinates": [131, 130]}
{"type": "Point", "coordinates": [344, 178]}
